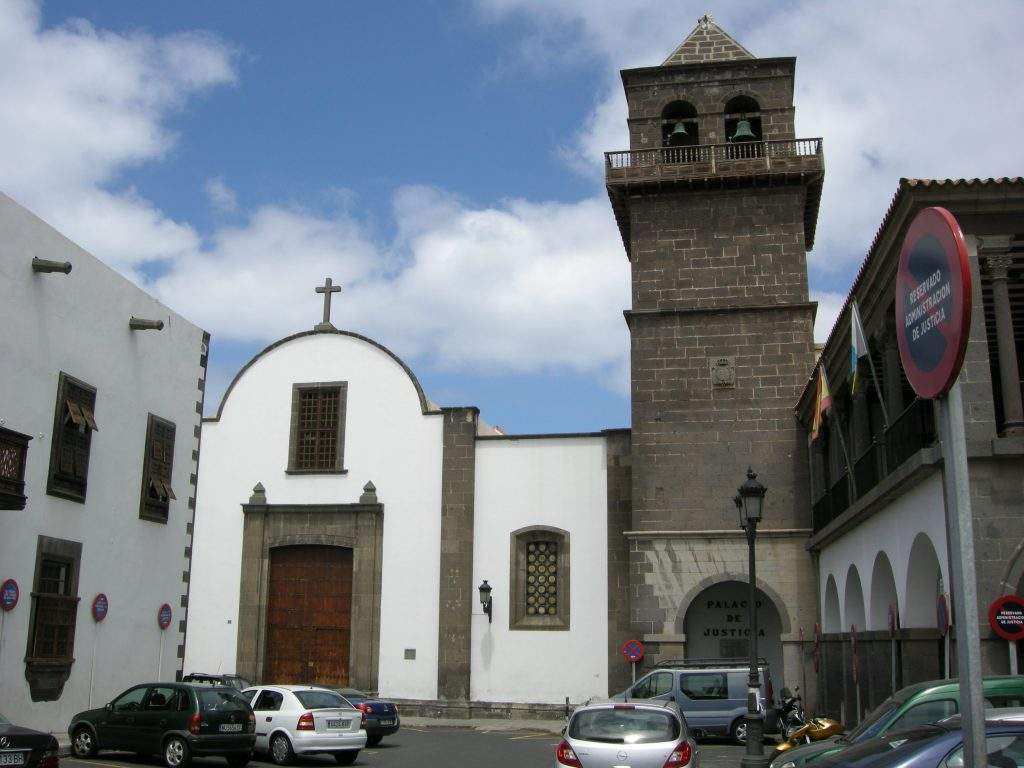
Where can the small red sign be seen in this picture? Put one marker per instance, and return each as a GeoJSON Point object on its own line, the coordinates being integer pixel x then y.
{"type": "Point", "coordinates": [633, 651]}
{"type": "Point", "coordinates": [942, 614]}
{"type": "Point", "coordinates": [9, 594]}
{"type": "Point", "coordinates": [933, 302]}
{"type": "Point", "coordinates": [1006, 617]}
{"type": "Point", "coordinates": [100, 606]}
{"type": "Point", "coordinates": [163, 616]}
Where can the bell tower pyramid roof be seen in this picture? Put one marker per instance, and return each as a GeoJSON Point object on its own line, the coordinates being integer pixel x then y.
{"type": "Point", "coordinates": [707, 42]}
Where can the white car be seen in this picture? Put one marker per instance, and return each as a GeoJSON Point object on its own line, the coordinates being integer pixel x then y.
{"type": "Point", "coordinates": [305, 720]}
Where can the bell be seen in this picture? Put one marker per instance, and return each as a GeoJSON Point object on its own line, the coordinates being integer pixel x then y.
{"type": "Point", "coordinates": [743, 132]}
{"type": "Point", "coordinates": [679, 132]}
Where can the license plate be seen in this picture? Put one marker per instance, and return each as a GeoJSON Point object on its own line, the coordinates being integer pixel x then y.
{"type": "Point", "coordinates": [389, 721]}
{"type": "Point", "coordinates": [12, 758]}
{"type": "Point", "coordinates": [231, 728]}
{"type": "Point", "coordinates": [338, 723]}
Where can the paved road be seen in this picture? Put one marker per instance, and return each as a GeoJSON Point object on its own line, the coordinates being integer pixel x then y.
{"type": "Point", "coordinates": [430, 748]}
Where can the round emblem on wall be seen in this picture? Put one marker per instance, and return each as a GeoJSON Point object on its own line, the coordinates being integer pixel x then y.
{"type": "Point", "coordinates": [933, 302]}
{"type": "Point", "coordinates": [9, 594]}
{"type": "Point", "coordinates": [100, 606]}
{"type": "Point", "coordinates": [163, 616]}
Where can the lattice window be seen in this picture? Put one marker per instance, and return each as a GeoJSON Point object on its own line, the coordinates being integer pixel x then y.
{"type": "Point", "coordinates": [318, 426]}
{"type": "Point", "coordinates": [13, 454]}
{"type": "Point", "coordinates": [74, 424]}
{"type": "Point", "coordinates": [542, 578]}
{"type": "Point", "coordinates": [55, 612]}
{"type": "Point", "coordinates": [157, 465]}
{"type": "Point", "coordinates": [539, 587]}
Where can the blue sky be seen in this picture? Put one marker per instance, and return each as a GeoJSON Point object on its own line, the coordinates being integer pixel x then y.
{"type": "Point", "coordinates": [441, 160]}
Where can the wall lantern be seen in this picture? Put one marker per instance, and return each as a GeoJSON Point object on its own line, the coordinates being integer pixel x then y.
{"type": "Point", "coordinates": [485, 599]}
{"type": "Point", "coordinates": [750, 500]}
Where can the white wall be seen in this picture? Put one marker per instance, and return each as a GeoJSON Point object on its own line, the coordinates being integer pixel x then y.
{"type": "Point", "coordinates": [78, 324]}
{"type": "Point", "coordinates": [891, 530]}
{"type": "Point", "coordinates": [388, 440]}
{"type": "Point", "coordinates": [559, 482]}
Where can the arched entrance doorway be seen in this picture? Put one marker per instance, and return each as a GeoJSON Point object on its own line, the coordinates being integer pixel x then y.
{"type": "Point", "coordinates": [716, 626]}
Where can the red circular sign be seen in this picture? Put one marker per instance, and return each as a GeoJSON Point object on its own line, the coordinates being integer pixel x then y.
{"type": "Point", "coordinates": [1006, 617]}
{"type": "Point", "coordinates": [633, 650]}
{"type": "Point", "coordinates": [100, 606]}
{"type": "Point", "coordinates": [9, 594]}
{"type": "Point", "coordinates": [933, 302]}
{"type": "Point", "coordinates": [163, 616]}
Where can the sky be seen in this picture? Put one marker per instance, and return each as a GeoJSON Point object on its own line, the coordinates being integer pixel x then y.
{"type": "Point", "coordinates": [443, 162]}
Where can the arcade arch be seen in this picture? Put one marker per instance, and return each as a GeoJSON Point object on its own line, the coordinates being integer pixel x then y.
{"type": "Point", "coordinates": [883, 592]}
{"type": "Point", "coordinates": [923, 577]}
{"type": "Point", "coordinates": [832, 620]}
{"type": "Point", "coordinates": [853, 601]}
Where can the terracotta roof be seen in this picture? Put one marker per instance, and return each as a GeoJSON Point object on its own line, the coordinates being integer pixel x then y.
{"type": "Point", "coordinates": [901, 191]}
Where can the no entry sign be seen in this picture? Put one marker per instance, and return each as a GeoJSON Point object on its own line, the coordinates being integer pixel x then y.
{"type": "Point", "coordinates": [633, 651]}
{"type": "Point", "coordinates": [1006, 617]}
{"type": "Point", "coordinates": [933, 302]}
{"type": "Point", "coordinates": [163, 616]}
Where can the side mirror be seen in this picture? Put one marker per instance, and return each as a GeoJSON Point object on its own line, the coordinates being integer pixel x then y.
{"type": "Point", "coordinates": [564, 727]}
{"type": "Point", "coordinates": [109, 707]}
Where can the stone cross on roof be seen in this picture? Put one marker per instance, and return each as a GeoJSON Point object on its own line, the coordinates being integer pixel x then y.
{"type": "Point", "coordinates": [326, 289]}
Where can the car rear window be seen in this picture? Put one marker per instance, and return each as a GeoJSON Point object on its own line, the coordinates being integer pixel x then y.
{"type": "Point", "coordinates": [622, 725]}
{"type": "Point", "coordinates": [321, 700]}
{"type": "Point", "coordinates": [225, 700]}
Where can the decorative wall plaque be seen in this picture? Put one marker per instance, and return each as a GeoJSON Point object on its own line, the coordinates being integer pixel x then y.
{"type": "Point", "coordinates": [723, 372]}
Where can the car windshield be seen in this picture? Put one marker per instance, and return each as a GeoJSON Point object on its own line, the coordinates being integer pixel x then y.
{"type": "Point", "coordinates": [224, 700]}
{"type": "Point", "coordinates": [863, 753]}
{"type": "Point", "coordinates": [624, 725]}
{"type": "Point", "coordinates": [321, 700]}
{"type": "Point", "coordinates": [873, 723]}
{"type": "Point", "coordinates": [237, 682]}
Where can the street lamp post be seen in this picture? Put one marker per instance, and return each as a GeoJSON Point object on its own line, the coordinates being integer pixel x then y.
{"type": "Point", "coordinates": [749, 504]}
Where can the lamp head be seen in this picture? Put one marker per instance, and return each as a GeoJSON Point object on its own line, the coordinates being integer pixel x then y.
{"type": "Point", "coordinates": [751, 495]}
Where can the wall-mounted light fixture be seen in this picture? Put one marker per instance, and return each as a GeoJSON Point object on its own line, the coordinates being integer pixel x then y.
{"type": "Point", "coordinates": [141, 324]}
{"type": "Point", "coordinates": [46, 265]}
{"type": "Point", "coordinates": [485, 599]}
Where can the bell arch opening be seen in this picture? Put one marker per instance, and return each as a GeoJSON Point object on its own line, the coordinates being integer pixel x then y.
{"type": "Point", "coordinates": [883, 592]}
{"type": "Point", "coordinates": [743, 119]}
{"type": "Point", "coordinates": [717, 627]}
{"type": "Point", "coordinates": [679, 126]}
{"type": "Point", "coordinates": [923, 577]}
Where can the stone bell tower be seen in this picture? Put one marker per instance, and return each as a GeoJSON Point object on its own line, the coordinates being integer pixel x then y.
{"type": "Point", "coordinates": [717, 202]}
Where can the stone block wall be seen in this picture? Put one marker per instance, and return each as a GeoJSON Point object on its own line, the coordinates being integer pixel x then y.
{"type": "Point", "coordinates": [719, 248]}
{"type": "Point", "coordinates": [620, 495]}
{"type": "Point", "coordinates": [693, 439]}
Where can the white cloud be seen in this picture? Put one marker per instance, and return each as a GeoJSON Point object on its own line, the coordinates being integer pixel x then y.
{"type": "Point", "coordinates": [221, 196]}
{"type": "Point", "coordinates": [78, 106]}
{"type": "Point", "coordinates": [921, 89]}
{"type": "Point", "coordinates": [830, 304]}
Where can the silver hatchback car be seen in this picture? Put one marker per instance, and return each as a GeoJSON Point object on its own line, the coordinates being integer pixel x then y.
{"type": "Point", "coordinates": [611, 734]}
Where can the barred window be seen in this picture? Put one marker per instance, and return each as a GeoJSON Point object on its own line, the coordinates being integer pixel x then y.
{"type": "Point", "coordinates": [317, 438]}
{"type": "Point", "coordinates": [73, 426]}
{"type": "Point", "coordinates": [13, 454]}
{"type": "Point", "coordinates": [55, 612]}
{"type": "Point", "coordinates": [157, 464]}
{"type": "Point", "coordinates": [540, 578]}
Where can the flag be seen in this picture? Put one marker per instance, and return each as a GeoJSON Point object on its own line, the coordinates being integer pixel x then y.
{"type": "Point", "coordinates": [822, 402]}
{"type": "Point", "coordinates": [858, 346]}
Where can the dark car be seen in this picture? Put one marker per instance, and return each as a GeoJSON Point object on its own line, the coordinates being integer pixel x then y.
{"type": "Point", "coordinates": [232, 681]}
{"type": "Point", "coordinates": [380, 718]}
{"type": "Point", "coordinates": [25, 748]}
{"type": "Point", "coordinates": [178, 721]}
{"type": "Point", "coordinates": [934, 746]}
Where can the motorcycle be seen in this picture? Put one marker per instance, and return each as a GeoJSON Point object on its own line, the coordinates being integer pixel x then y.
{"type": "Point", "coordinates": [798, 729]}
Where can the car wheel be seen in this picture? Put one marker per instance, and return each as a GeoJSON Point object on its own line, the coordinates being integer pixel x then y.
{"type": "Point", "coordinates": [239, 761]}
{"type": "Point", "coordinates": [739, 730]}
{"type": "Point", "coordinates": [373, 741]}
{"type": "Point", "coordinates": [176, 753]}
{"type": "Point", "coordinates": [83, 744]}
{"type": "Point", "coordinates": [281, 750]}
{"type": "Point", "coordinates": [346, 758]}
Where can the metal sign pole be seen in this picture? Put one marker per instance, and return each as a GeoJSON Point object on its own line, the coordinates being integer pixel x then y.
{"type": "Point", "coordinates": [960, 535]}
{"type": "Point", "coordinates": [633, 665]}
{"type": "Point", "coordinates": [1013, 656]}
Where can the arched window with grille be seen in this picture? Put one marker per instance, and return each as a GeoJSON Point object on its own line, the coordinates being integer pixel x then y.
{"type": "Point", "coordinates": [539, 585]}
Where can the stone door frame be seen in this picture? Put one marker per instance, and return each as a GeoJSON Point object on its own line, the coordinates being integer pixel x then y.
{"type": "Point", "coordinates": [359, 527]}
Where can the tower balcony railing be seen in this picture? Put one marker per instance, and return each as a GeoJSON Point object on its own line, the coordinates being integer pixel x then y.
{"type": "Point", "coordinates": [780, 155]}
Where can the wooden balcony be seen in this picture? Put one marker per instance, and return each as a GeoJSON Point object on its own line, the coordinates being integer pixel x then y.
{"type": "Point", "coordinates": [717, 166]}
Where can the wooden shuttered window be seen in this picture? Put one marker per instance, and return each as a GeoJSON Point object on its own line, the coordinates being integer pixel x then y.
{"type": "Point", "coordinates": [317, 439]}
{"type": "Point", "coordinates": [157, 465]}
{"type": "Point", "coordinates": [56, 606]}
{"type": "Point", "coordinates": [74, 423]}
{"type": "Point", "coordinates": [13, 455]}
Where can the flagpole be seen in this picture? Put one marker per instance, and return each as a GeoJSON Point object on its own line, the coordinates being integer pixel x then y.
{"type": "Point", "coordinates": [878, 389]}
